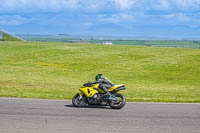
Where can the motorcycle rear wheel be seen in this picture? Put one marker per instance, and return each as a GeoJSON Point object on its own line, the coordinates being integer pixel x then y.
{"type": "Point", "coordinates": [78, 101]}
{"type": "Point", "coordinates": [119, 103]}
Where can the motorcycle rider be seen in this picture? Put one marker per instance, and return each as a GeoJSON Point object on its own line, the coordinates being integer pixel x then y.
{"type": "Point", "coordinates": [105, 84]}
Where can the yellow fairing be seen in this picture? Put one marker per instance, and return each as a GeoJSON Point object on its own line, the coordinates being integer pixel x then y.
{"type": "Point", "coordinates": [110, 89]}
{"type": "Point", "coordinates": [115, 87]}
{"type": "Point", "coordinates": [88, 91]}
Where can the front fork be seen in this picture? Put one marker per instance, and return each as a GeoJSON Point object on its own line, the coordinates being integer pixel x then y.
{"type": "Point", "coordinates": [81, 95]}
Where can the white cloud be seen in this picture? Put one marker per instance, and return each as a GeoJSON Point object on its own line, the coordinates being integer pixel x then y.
{"type": "Point", "coordinates": [57, 5]}
{"type": "Point", "coordinates": [115, 18]}
{"type": "Point", "coordinates": [11, 20]}
{"type": "Point", "coordinates": [161, 5]}
{"type": "Point", "coordinates": [177, 17]}
{"type": "Point", "coordinates": [96, 5]}
{"type": "Point", "coordinates": [173, 5]}
{"type": "Point", "coordinates": [126, 16]}
{"type": "Point", "coordinates": [118, 10]}
{"type": "Point", "coordinates": [186, 4]}
{"type": "Point", "coordinates": [31, 5]}
{"type": "Point", "coordinates": [125, 4]}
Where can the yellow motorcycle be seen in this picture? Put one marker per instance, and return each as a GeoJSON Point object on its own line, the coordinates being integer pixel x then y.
{"type": "Point", "coordinates": [93, 95]}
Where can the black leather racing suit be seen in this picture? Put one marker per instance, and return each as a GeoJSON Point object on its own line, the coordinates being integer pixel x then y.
{"type": "Point", "coordinates": [105, 84]}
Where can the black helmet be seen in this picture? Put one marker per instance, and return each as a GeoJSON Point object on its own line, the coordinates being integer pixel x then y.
{"type": "Point", "coordinates": [98, 76]}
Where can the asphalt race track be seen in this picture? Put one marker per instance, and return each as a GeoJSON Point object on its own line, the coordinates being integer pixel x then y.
{"type": "Point", "coordinates": [51, 116]}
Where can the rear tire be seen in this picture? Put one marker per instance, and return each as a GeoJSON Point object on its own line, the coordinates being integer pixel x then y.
{"type": "Point", "coordinates": [118, 104]}
{"type": "Point", "coordinates": [79, 102]}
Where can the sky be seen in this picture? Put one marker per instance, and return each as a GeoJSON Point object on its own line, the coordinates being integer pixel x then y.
{"type": "Point", "coordinates": [152, 18]}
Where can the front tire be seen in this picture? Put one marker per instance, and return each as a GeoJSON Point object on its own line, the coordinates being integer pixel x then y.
{"type": "Point", "coordinates": [79, 101]}
{"type": "Point", "coordinates": [119, 103]}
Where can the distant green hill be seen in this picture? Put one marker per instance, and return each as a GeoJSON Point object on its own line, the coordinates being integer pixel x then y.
{"type": "Point", "coordinates": [5, 36]}
{"type": "Point", "coordinates": [115, 41]}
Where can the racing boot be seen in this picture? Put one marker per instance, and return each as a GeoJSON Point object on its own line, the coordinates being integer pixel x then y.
{"type": "Point", "coordinates": [108, 96]}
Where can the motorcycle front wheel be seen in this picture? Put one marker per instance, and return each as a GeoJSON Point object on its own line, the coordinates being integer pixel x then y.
{"type": "Point", "coordinates": [79, 101]}
{"type": "Point", "coordinates": [119, 103]}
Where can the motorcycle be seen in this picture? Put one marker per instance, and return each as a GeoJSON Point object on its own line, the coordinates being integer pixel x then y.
{"type": "Point", "coordinates": [92, 95]}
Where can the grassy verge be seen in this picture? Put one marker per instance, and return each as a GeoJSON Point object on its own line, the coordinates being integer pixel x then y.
{"type": "Point", "coordinates": [7, 37]}
{"type": "Point", "coordinates": [57, 70]}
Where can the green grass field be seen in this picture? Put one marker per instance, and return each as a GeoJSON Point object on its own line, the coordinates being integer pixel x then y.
{"type": "Point", "coordinates": [57, 70]}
